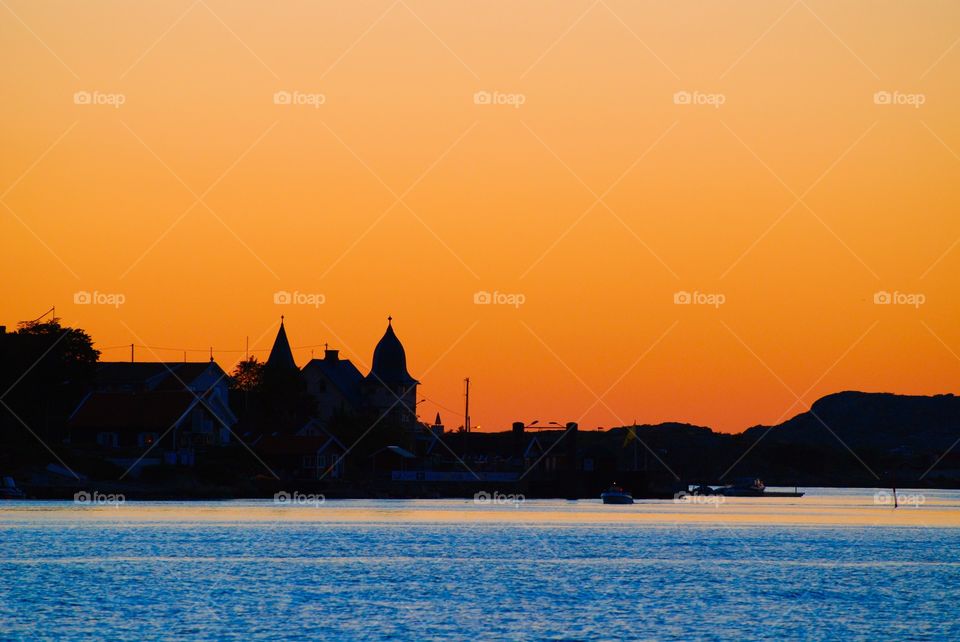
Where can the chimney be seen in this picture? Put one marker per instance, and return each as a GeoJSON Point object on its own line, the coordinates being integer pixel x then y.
{"type": "Point", "coordinates": [518, 434]}
{"type": "Point", "coordinates": [331, 355]}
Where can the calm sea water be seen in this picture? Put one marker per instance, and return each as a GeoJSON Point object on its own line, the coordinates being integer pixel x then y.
{"type": "Point", "coordinates": [456, 570]}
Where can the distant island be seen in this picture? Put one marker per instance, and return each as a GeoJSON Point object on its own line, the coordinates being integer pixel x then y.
{"type": "Point", "coordinates": [74, 424]}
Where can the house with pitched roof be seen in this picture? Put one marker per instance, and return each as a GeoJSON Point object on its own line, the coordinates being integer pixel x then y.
{"type": "Point", "coordinates": [150, 413]}
{"type": "Point", "coordinates": [334, 383]}
{"type": "Point", "coordinates": [313, 453]}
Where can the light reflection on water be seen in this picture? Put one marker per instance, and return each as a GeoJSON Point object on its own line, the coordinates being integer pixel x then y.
{"type": "Point", "coordinates": [443, 569]}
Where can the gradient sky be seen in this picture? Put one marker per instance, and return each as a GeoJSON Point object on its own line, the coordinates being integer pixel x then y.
{"type": "Point", "coordinates": [597, 199]}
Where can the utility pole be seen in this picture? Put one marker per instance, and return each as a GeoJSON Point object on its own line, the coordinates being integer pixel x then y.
{"type": "Point", "coordinates": [466, 406]}
{"type": "Point", "coordinates": [131, 353]}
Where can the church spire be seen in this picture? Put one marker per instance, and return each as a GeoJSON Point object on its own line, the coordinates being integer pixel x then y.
{"type": "Point", "coordinates": [281, 356]}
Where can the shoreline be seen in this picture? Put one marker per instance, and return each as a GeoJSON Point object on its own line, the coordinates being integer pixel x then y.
{"type": "Point", "coordinates": [942, 510]}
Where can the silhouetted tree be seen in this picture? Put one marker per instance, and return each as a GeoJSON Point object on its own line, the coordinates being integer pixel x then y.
{"type": "Point", "coordinates": [45, 369]}
{"type": "Point", "coordinates": [247, 376]}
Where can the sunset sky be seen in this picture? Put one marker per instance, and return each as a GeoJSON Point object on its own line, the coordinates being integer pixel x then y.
{"type": "Point", "coordinates": [786, 162]}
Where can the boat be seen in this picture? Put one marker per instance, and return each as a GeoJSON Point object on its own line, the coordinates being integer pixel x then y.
{"type": "Point", "coordinates": [702, 489]}
{"type": "Point", "coordinates": [743, 487]}
{"type": "Point", "coordinates": [9, 490]}
{"type": "Point", "coordinates": [616, 495]}
{"type": "Point", "coordinates": [753, 487]}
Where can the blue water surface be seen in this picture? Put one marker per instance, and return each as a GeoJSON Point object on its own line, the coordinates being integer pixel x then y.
{"type": "Point", "coordinates": [129, 580]}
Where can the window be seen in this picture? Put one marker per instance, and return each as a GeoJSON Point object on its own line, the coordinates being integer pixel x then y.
{"type": "Point", "coordinates": [108, 439]}
{"type": "Point", "coordinates": [147, 438]}
{"type": "Point", "coordinates": [308, 462]}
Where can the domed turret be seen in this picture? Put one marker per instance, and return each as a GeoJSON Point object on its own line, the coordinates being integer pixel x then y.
{"type": "Point", "coordinates": [389, 388]}
{"type": "Point", "coordinates": [390, 360]}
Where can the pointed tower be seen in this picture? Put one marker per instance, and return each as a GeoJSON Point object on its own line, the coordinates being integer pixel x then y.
{"type": "Point", "coordinates": [389, 387]}
{"type": "Point", "coordinates": [281, 357]}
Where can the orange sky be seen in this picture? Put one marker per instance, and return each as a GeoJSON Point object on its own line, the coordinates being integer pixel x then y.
{"type": "Point", "coordinates": [797, 199]}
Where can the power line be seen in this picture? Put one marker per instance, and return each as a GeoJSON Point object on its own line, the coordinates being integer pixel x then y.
{"type": "Point", "coordinates": [204, 350]}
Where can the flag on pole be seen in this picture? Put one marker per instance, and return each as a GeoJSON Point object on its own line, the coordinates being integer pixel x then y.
{"type": "Point", "coordinates": [630, 436]}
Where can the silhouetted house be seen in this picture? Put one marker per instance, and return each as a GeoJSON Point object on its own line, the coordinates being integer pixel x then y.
{"type": "Point", "coordinates": [200, 377]}
{"type": "Point", "coordinates": [422, 439]}
{"type": "Point", "coordinates": [125, 376]}
{"type": "Point", "coordinates": [173, 409]}
{"type": "Point", "coordinates": [334, 383]}
{"type": "Point", "coordinates": [155, 426]}
{"type": "Point", "coordinates": [392, 459]}
{"type": "Point", "coordinates": [311, 454]}
{"type": "Point", "coordinates": [389, 390]}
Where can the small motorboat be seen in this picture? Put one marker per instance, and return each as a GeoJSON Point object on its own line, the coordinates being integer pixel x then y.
{"type": "Point", "coordinates": [616, 495]}
{"type": "Point", "coordinates": [753, 487]}
{"type": "Point", "coordinates": [9, 490]}
{"type": "Point", "coordinates": [702, 489]}
{"type": "Point", "coordinates": [744, 487]}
